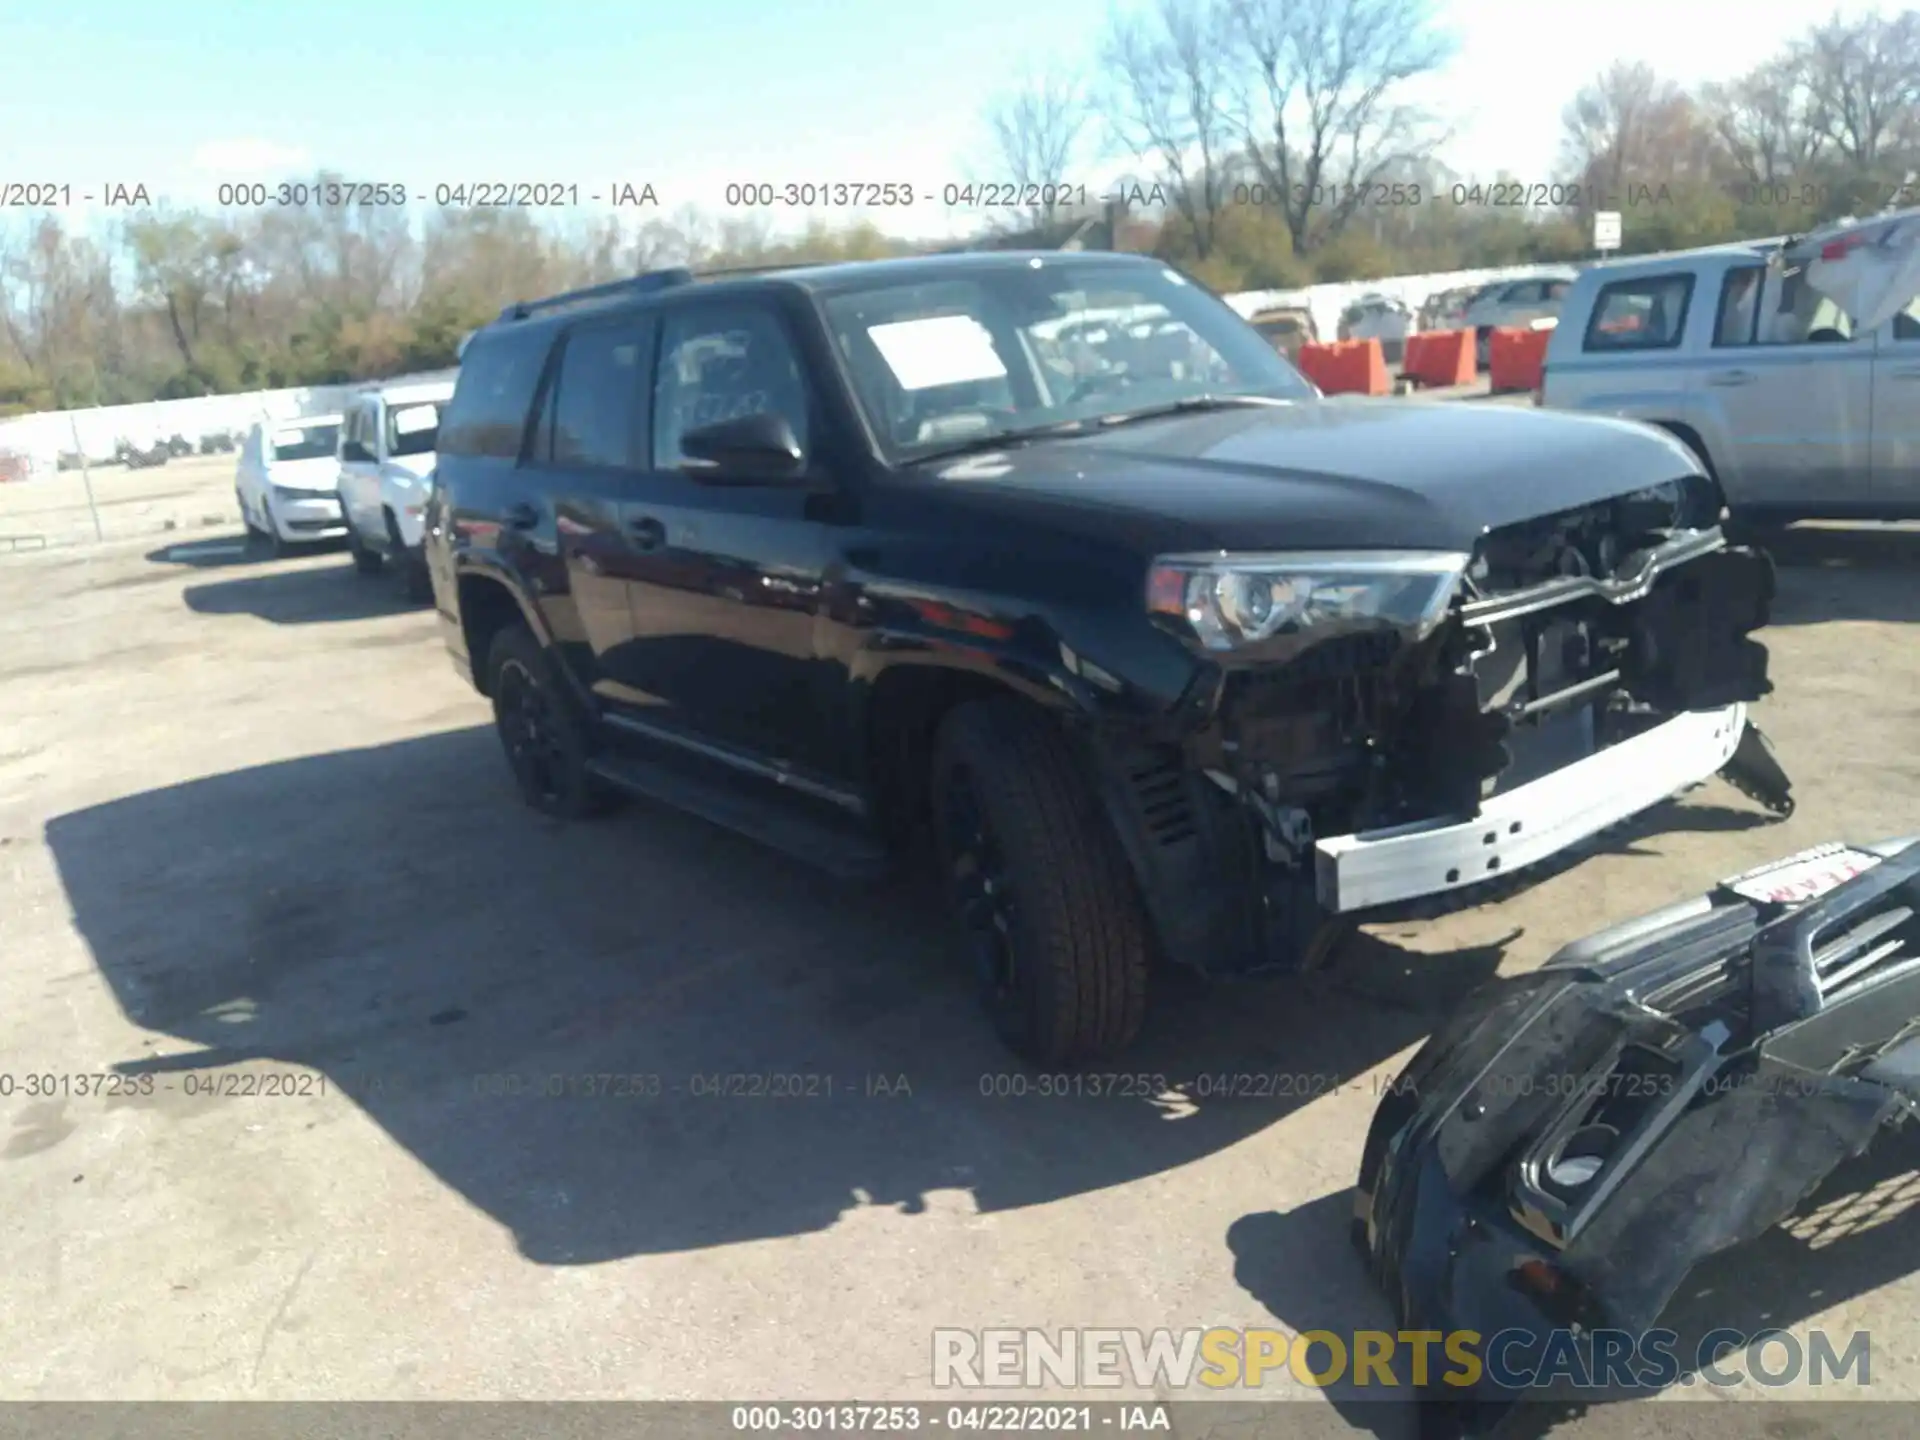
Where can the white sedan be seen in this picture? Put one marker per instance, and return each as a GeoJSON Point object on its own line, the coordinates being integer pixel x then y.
{"type": "Point", "coordinates": [287, 481]}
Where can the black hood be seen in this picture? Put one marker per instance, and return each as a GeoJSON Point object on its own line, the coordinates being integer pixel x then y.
{"type": "Point", "coordinates": [1365, 474]}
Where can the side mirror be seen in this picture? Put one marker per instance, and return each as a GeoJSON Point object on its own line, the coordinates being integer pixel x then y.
{"type": "Point", "coordinates": [746, 448]}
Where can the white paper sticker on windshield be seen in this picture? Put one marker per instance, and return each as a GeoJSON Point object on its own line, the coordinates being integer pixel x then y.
{"type": "Point", "coordinates": [415, 418]}
{"type": "Point", "coordinates": [946, 350]}
{"type": "Point", "coordinates": [289, 439]}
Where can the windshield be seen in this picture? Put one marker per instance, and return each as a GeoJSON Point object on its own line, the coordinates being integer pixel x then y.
{"type": "Point", "coordinates": [308, 442]}
{"type": "Point", "coordinates": [413, 429]}
{"type": "Point", "coordinates": [1028, 348]}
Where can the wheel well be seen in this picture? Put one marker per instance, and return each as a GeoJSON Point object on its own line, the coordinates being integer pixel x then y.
{"type": "Point", "coordinates": [486, 608]}
{"type": "Point", "coordinates": [903, 716]}
{"type": "Point", "coordinates": [1716, 500]}
{"type": "Point", "coordinates": [1690, 437]}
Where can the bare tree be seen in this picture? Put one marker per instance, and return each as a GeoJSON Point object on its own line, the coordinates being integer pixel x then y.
{"type": "Point", "coordinates": [1865, 78]}
{"type": "Point", "coordinates": [1630, 126]}
{"type": "Point", "coordinates": [1168, 75]}
{"type": "Point", "coordinates": [1036, 128]}
{"type": "Point", "coordinates": [1321, 103]}
{"type": "Point", "coordinates": [1768, 121]}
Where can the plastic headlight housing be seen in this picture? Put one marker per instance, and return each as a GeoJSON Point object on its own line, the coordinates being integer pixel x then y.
{"type": "Point", "coordinates": [1230, 601]}
{"type": "Point", "coordinates": [292, 496]}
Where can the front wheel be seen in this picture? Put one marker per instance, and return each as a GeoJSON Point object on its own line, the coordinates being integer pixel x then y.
{"type": "Point", "coordinates": [365, 560]}
{"type": "Point", "coordinates": [541, 728]}
{"type": "Point", "coordinates": [416, 585]}
{"type": "Point", "coordinates": [270, 532]}
{"type": "Point", "coordinates": [1039, 884]}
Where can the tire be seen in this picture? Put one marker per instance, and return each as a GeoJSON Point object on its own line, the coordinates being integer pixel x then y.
{"type": "Point", "coordinates": [365, 561]}
{"type": "Point", "coordinates": [1039, 883]}
{"type": "Point", "coordinates": [410, 566]}
{"type": "Point", "coordinates": [270, 537]}
{"type": "Point", "coordinates": [548, 765]}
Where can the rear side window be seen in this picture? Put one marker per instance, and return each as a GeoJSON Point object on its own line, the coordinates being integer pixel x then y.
{"type": "Point", "coordinates": [1646, 313]}
{"type": "Point", "coordinates": [498, 375]}
{"type": "Point", "coordinates": [596, 403]}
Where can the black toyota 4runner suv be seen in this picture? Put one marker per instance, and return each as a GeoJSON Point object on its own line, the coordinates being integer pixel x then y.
{"type": "Point", "coordinates": [1051, 559]}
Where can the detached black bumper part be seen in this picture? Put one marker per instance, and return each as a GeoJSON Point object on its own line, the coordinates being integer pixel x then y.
{"type": "Point", "coordinates": [1574, 1141]}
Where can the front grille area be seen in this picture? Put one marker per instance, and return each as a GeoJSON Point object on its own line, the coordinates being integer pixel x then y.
{"type": "Point", "coordinates": [1590, 540]}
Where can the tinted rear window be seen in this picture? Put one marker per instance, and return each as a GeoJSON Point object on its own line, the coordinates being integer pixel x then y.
{"type": "Point", "coordinates": [1646, 313]}
{"type": "Point", "coordinates": [599, 395]}
{"type": "Point", "coordinates": [498, 375]}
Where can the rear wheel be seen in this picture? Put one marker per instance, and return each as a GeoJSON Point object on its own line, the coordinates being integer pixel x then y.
{"type": "Point", "coordinates": [1039, 885]}
{"type": "Point", "coordinates": [546, 738]}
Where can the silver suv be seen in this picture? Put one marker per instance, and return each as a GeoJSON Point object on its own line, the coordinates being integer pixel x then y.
{"type": "Point", "coordinates": [1514, 302]}
{"type": "Point", "coordinates": [1798, 412]}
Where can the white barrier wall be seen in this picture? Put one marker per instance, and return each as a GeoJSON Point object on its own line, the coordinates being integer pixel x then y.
{"type": "Point", "coordinates": [46, 436]}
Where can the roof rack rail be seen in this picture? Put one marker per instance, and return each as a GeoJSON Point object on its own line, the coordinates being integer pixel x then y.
{"type": "Point", "coordinates": [642, 284]}
{"type": "Point", "coordinates": [646, 283]}
{"type": "Point", "coordinates": [728, 272]}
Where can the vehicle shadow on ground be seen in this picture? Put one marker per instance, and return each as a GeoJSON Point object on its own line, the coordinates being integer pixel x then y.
{"type": "Point", "coordinates": [307, 596]}
{"type": "Point", "coordinates": [1853, 1235]}
{"type": "Point", "coordinates": [1853, 573]}
{"type": "Point", "coordinates": [643, 1035]}
{"type": "Point", "coordinates": [221, 551]}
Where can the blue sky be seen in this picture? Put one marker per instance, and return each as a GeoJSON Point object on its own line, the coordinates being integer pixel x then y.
{"type": "Point", "coordinates": [180, 96]}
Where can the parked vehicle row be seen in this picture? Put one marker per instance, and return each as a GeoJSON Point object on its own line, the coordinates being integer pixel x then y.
{"type": "Point", "coordinates": [1051, 567]}
{"type": "Point", "coordinates": [359, 475]}
{"type": "Point", "coordinates": [1481, 310]}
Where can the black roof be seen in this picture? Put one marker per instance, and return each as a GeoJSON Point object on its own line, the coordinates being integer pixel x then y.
{"type": "Point", "coordinates": [816, 278]}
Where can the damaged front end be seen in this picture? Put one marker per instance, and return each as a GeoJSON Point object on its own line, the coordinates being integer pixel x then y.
{"type": "Point", "coordinates": [1409, 740]}
{"type": "Point", "coordinates": [1575, 1140]}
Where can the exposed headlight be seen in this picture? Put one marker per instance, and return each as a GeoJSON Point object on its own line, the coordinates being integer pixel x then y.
{"type": "Point", "coordinates": [291, 496]}
{"type": "Point", "coordinates": [1229, 601]}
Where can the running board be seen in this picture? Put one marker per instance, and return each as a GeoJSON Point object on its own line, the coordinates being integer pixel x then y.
{"type": "Point", "coordinates": [773, 820]}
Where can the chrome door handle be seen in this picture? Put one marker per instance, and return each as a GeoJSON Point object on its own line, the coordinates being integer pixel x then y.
{"type": "Point", "coordinates": [1731, 377]}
